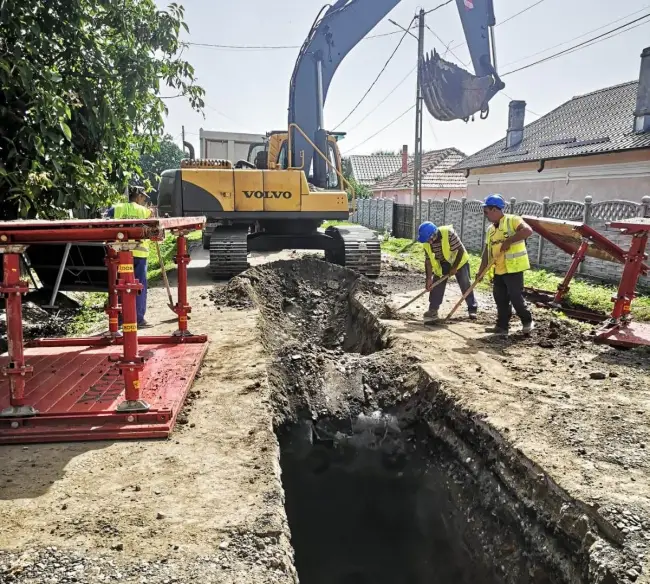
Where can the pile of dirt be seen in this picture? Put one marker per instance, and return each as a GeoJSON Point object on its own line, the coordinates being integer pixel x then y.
{"type": "Point", "coordinates": [38, 322]}
{"type": "Point", "coordinates": [234, 295]}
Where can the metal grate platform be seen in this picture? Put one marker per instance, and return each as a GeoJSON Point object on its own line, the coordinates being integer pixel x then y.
{"type": "Point", "coordinates": [76, 391]}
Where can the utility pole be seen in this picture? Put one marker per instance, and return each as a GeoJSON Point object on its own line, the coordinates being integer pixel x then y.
{"type": "Point", "coordinates": [417, 166]}
{"type": "Point", "coordinates": [183, 137]}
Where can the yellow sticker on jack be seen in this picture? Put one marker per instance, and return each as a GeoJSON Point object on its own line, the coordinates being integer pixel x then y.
{"type": "Point", "coordinates": [136, 384]}
{"type": "Point", "coordinates": [130, 327]}
{"type": "Point", "coordinates": [125, 268]}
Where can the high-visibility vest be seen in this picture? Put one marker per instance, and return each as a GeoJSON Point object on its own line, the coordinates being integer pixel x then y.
{"type": "Point", "coordinates": [134, 211]}
{"type": "Point", "coordinates": [448, 255]}
{"type": "Point", "coordinates": [517, 255]}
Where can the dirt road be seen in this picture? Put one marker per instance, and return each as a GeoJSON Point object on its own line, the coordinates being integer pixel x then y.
{"type": "Point", "coordinates": [207, 505]}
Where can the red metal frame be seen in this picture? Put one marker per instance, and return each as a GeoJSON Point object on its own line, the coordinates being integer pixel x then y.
{"type": "Point", "coordinates": [15, 237]}
{"type": "Point", "coordinates": [619, 329]}
{"type": "Point", "coordinates": [592, 244]}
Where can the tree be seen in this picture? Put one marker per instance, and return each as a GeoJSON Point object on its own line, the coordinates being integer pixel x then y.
{"type": "Point", "coordinates": [361, 191]}
{"type": "Point", "coordinates": [80, 100]}
{"type": "Point", "coordinates": [167, 156]}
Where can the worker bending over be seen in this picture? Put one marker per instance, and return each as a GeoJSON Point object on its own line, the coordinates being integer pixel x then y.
{"type": "Point", "coordinates": [506, 242]}
{"type": "Point", "coordinates": [136, 208]}
{"type": "Point", "coordinates": [445, 255]}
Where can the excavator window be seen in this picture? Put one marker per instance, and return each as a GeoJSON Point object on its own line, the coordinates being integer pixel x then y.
{"type": "Point", "coordinates": [332, 177]}
{"type": "Point", "coordinates": [254, 151]}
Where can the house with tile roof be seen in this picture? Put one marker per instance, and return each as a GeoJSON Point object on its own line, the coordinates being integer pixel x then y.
{"type": "Point", "coordinates": [438, 181]}
{"type": "Point", "coordinates": [595, 145]}
{"type": "Point", "coordinates": [367, 169]}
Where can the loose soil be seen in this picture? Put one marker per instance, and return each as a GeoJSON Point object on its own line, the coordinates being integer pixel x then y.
{"type": "Point", "coordinates": [518, 460]}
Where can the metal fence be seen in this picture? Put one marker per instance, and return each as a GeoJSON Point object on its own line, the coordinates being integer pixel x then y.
{"type": "Point", "coordinates": [469, 222]}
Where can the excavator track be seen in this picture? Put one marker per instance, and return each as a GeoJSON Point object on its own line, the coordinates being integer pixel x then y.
{"type": "Point", "coordinates": [228, 252]}
{"type": "Point", "coordinates": [360, 249]}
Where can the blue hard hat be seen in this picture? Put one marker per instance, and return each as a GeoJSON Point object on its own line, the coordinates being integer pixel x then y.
{"type": "Point", "coordinates": [426, 231]}
{"type": "Point", "coordinates": [494, 201]}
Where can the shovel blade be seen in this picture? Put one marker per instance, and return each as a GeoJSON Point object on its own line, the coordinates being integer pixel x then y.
{"type": "Point", "coordinates": [450, 92]}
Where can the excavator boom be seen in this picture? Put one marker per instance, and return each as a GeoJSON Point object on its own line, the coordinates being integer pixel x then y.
{"type": "Point", "coordinates": [449, 92]}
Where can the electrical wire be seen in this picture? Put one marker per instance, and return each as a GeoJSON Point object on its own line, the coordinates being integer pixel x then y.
{"type": "Point", "coordinates": [582, 45]}
{"type": "Point", "coordinates": [439, 6]}
{"type": "Point", "coordinates": [383, 100]}
{"type": "Point", "coordinates": [575, 38]}
{"type": "Point", "coordinates": [446, 45]}
{"type": "Point", "coordinates": [376, 78]}
{"type": "Point", "coordinates": [273, 47]}
{"type": "Point", "coordinates": [520, 12]}
{"type": "Point", "coordinates": [380, 131]}
{"type": "Point", "coordinates": [504, 94]}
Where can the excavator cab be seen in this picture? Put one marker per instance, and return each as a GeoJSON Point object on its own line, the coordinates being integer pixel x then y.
{"type": "Point", "coordinates": [273, 155]}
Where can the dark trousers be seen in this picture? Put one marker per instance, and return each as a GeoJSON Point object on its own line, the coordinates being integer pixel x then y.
{"type": "Point", "coordinates": [464, 282]}
{"type": "Point", "coordinates": [140, 270]}
{"type": "Point", "coordinates": [508, 292]}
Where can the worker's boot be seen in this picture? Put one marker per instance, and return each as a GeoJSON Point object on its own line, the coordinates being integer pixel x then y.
{"type": "Point", "coordinates": [495, 330]}
{"type": "Point", "coordinates": [431, 316]}
{"type": "Point", "coordinates": [528, 327]}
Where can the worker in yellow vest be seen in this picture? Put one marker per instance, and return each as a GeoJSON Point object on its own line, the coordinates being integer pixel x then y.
{"type": "Point", "coordinates": [136, 208]}
{"type": "Point", "coordinates": [506, 241]}
{"type": "Point", "coordinates": [445, 255]}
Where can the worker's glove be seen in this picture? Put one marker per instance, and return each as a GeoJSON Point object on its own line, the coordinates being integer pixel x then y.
{"type": "Point", "coordinates": [452, 272]}
{"type": "Point", "coordinates": [429, 285]}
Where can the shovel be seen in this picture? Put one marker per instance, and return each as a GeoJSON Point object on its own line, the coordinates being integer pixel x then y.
{"type": "Point", "coordinates": [478, 280]}
{"type": "Point", "coordinates": [164, 276]}
{"type": "Point", "coordinates": [412, 300]}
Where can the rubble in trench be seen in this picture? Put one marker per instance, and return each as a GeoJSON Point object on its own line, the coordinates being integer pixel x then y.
{"type": "Point", "coordinates": [387, 478]}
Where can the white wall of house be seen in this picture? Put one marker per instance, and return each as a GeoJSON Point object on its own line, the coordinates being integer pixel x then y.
{"type": "Point", "coordinates": [629, 181]}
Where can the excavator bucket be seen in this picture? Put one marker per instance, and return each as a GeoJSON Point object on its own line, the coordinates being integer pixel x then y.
{"type": "Point", "coordinates": [451, 93]}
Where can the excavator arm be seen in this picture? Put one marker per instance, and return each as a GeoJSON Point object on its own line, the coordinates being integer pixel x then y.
{"type": "Point", "coordinates": [448, 91]}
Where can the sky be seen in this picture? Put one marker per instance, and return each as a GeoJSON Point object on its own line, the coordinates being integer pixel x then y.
{"type": "Point", "coordinates": [247, 90]}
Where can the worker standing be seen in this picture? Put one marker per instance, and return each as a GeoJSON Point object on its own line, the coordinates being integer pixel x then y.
{"type": "Point", "coordinates": [506, 242]}
{"type": "Point", "coordinates": [136, 208]}
{"type": "Point", "coordinates": [445, 255]}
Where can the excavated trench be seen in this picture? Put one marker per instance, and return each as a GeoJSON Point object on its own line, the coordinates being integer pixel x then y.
{"type": "Point", "coordinates": [387, 479]}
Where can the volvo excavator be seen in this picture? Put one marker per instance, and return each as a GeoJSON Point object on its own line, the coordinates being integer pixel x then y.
{"type": "Point", "coordinates": [279, 197]}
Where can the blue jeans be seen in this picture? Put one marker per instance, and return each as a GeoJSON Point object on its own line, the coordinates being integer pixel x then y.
{"type": "Point", "coordinates": [140, 270]}
{"type": "Point", "coordinates": [464, 282]}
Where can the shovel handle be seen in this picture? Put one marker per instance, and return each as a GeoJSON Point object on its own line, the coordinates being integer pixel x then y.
{"type": "Point", "coordinates": [440, 281]}
{"type": "Point", "coordinates": [478, 280]}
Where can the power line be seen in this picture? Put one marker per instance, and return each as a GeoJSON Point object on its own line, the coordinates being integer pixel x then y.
{"type": "Point", "coordinates": [520, 12]}
{"type": "Point", "coordinates": [272, 47]}
{"type": "Point", "coordinates": [446, 45]}
{"type": "Point", "coordinates": [378, 76]}
{"type": "Point", "coordinates": [508, 19]}
{"type": "Point", "coordinates": [577, 37]}
{"type": "Point", "coordinates": [380, 131]}
{"type": "Point", "coordinates": [581, 45]}
{"type": "Point", "coordinates": [439, 6]}
{"type": "Point", "coordinates": [383, 100]}
{"type": "Point", "coordinates": [504, 94]}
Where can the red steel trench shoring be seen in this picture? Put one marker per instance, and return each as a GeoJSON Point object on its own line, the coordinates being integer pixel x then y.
{"type": "Point", "coordinates": [87, 388]}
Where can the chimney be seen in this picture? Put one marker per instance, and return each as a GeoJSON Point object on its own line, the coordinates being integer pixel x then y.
{"type": "Point", "coordinates": [405, 159]}
{"type": "Point", "coordinates": [642, 113]}
{"type": "Point", "coordinates": [516, 115]}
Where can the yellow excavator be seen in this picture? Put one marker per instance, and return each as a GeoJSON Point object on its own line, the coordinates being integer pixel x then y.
{"type": "Point", "coordinates": [292, 182]}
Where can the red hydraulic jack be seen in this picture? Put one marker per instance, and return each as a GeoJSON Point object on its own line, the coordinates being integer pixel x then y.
{"type": "Point", "coordinates": [620, 330]}
{"type": "Point", "coordinates": [78, 388]}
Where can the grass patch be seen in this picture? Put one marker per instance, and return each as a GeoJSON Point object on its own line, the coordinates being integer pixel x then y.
{"type": "Point", "coordinates": [335, 223]}
{"type": "Point", "coordinates": [582, 293]}
{"type": "Point", "coordinates": [167, 251]}
{"type": "Point", "coordinates": [91, 314]}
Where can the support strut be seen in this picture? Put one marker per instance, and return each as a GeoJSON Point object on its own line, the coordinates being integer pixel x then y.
{"type": "Point", "coordinates": [130, 363]}
{"type": "Point", "coordinates": [11, 290]}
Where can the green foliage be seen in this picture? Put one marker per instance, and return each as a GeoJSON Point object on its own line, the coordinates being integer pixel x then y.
{"type": "Point", "coordinates": [80, 98]}
{"type": "Point", "coordinates": [166, 156]}
{"type": "Point", "coordinates": [361, 191]}
{"type": "Point", "coordinates": [582, 293]}
{"type": "Point", "coordinates": [167, 251]}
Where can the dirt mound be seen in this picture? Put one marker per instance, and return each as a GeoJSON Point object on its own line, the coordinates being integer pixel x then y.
{"type": "Point", "coordinates": [234, 295]}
